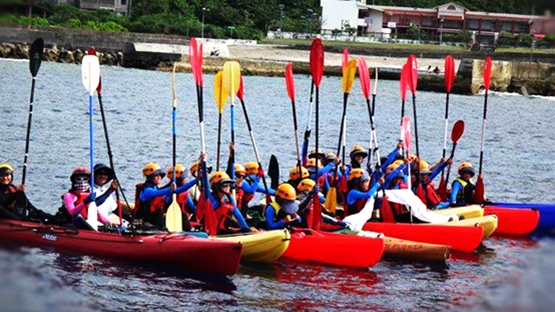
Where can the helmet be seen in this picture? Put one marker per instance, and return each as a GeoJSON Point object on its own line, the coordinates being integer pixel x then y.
{"type": "Point", "coordinates": [329, 157]}
{"type": "Point", "coordinates": [179, 170]}
{"type": "Point", "coordinates": [252, 167]}
{"type": "Point", "coordinates": [390, 168]}
{"type": "Point", "coordinates": [102, 167]}
{"type": "Point", "coordinates": [306, 185]}
{"type": "Point", "coordinates": [240, 169]}
{"type": "Point", "coordinates": [79, 171]}
{"type": "Point", "coordinates": [286, 191]}
{"type": "Point", "coordinates": [359, 173]}
{"type": "Point", "coordinates": [411, 157]}
{"type": "Point", "coordinates": [316, 154]}
{"type": "Point", "coordinates": [294, 173]}
{"type": "Point", "coordinates": [149, 169]}
{"type": "Point", "coordinates": [466, 167]}
{"type": "Point", "coordinates": [422, 167]}
{"type": "Point", "coordinates": [398, 162]}
{"type": "Point", "coordinates": [6, 168]}
{"type": "Point", "coordinates": [358, 150]}
{"type": "Point", "coordinates": [219, 178]}
{"type": "Point", "coordinates": [312, 165]}
{"type": "Point", "coordinates": [194, 168]}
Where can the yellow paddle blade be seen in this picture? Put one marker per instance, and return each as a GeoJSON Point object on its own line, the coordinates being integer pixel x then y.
{"type": "Point", "coordinates": [331, 199]}
{"type": "Point", "coordinates": [220, 93]}
{"type": "Point", "coordinates": [232, 78]}
{"type": "Point", "coordinates": [173, 216]}
{"type": "Point", "coordinates": [174, 92]}
{"type": "Point", "coordinates": [349, 75]}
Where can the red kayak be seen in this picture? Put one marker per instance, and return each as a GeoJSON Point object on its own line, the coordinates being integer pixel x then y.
{"type": "Point", "coordinates": [461, 238]}
{"type": "Point", "coordinates": [334, 249]}
{"type": "Point", "coordinates": [196, 254]}
{"type": "Point", "coordinates": [514, 221]}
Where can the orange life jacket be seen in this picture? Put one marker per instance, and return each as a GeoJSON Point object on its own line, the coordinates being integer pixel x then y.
{"type": "Point", "coordinates": [224, 212]}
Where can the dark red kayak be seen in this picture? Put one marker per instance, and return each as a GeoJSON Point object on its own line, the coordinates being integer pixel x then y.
{"type": "Point", "coordinates": [514, 221]}
{"type": "Point", "coordinates": [187, 251]}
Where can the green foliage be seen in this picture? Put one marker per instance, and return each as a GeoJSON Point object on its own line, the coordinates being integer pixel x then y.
{"type": "Point", "coordinates": [34, 21]}
{"type": "Point", "coordinates": [547, 42]}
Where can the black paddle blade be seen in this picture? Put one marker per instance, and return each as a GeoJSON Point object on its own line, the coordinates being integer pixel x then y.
{"type": "Point", "coordinates": [273, 172]}
{"type": "Point", "coordinates": [35, 56]}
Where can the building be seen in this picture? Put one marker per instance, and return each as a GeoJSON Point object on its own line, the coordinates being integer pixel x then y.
{"type": "Point", "coordinates": [120, 7]}
{"type": "Point", "coordinates": [449, 18]}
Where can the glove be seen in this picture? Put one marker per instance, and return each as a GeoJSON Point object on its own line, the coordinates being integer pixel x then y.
{"type": "Point", "coordinates": [307, 134]}
{"type": "Point", "coordinates": [260, 173]}
{"type": "Point", "coordinates": [89, 198]}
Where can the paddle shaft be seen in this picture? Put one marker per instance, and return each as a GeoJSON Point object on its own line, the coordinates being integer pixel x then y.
{"type": "Point", "coordinates": [310, 106]}
{"type": "Point", "coordinates": [219, 141]}
{"type": "Point", "coordinates": [484, 123]}
{"type": "Point", "coordinates": [28, 130]}
{"type": "Point", "coordinates": [295, 130]}
{"type": "Point", "coordinates": [415, 124]}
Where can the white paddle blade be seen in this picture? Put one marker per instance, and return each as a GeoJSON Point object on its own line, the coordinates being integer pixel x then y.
{"type": "Point", "coordinates": [174, 217]}
{"type": "Point", "coordinates": [90, 72]}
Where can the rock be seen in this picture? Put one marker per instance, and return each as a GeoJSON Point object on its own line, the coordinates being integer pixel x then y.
{"type": "Point", "coordinates": [78, 56]}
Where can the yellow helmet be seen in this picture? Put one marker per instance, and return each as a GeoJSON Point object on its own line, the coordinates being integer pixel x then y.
{"type": "Point", "coordinates": [286, 191]}
{"type": "Point", "coordinates": [195, 166]}
{"type": "Point", "coordinates": [252, 167]}
{"type": "Point", "coordinates": [240, 169]}
{"type": "Point", "coordinates": [422, 167]}
{"type": "Point", "coordinates": [316, 154]}
{"type": "Point", "coordinates": [390, 168]}
{"type": "Point", "coordinates": [219, 177]}
{"type": "Point", "coordinates": [6, 168]}
{"type": "Point", "coordinates": [179, 171]}
{"type": "Point", "coordinates": [294, 173]}
{"type": "Point", "coordinates": [359, 173]}
{"type": "Point", "coordinates": [306, 185]}
{"type": "Point", "coordinates": [466, 167]}
{"type": "Point", "coordinates": [151, 168]}
{"type": "Point", "coordinates": [398, 162]}
{"type": "Point", "coordinates": [358, 150]}
{"type": "Point", "coordinates": [411, 157]}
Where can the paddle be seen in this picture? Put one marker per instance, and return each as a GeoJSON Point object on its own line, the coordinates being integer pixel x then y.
{"type": "Point", "coordinates": [90, 73]}
{"type": "Point", "coordinates": [220, 93]}
{"type": "Point", "coordinates": [373, 134]}
{"type": "Point", "coordinates": [406, 138]}
{"type": "Point", "coordinates": [273, 172]}
{"type": "Point", "coordinates": [317, 71]}
{"type": "Point", "coordinates": [240, 95]}
{"type": "Point", "coordinates": [449, 79]}
{"type": "Point", "coordinates": [349, 72]}
{"type": "Point", "coordinates": [364, 77]}
{"type": "Point", "coordinates": [173, 214]}
{"type": "Point", "coordinates": [290, 84]}
{"type": "Point", "coordinates": [35, 58]}
{"type": "Point", "coordinates": [231, 83]}
{"type": "Point", "coordinates": [456, 133]}
{"type": "Point", "coordinates": [479, 191]}
{"type": "Point", "coordinates": [412, 82]}
{"type": "Point", "coordinates": [204, 208]}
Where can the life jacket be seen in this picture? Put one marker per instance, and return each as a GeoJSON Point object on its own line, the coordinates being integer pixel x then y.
{"type": "Point", "coordinates": [467, 195]}
{"type": "Point", "coordinates": [432, 198]}
{"type": "Point", "coordinates": [399, 208]}
{"type": "Point", "coordinates": [224, 213]}
{"type": "Point", "coordinates": [239, 196]}
{"type": "Point", "coordinates": [357, 206]}
{"type": "Point", "coordinates": [143, 208]}
{"type": "Point", "coordinates": [11, 189]}
{"type": "Point", "coordinates": [182, 200]}
{"type": "Point", "coordinates": [81, 198]}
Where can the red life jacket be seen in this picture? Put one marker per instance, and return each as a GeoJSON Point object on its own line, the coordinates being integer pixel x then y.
{"type": "Point", "coordinates": [11, 190]}
{"type": "Point", "coordinates": [81, 198]}
{"type": "Point", "coordinates": [432, 198]}
{"type": "Point", "coordinates": [224, 212]}
{"type": "Point", "coordinates": [151, 205]}
{"type": "Point", "coordinates": [356, 207]}
{"type": "Point", "coordinates": [399, 208]}
{"type": "Point", "coordinates": [182, 200]}
{"type": "Point", "coordinates": [239, 196]}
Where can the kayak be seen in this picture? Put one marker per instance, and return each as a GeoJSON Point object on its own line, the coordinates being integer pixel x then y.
{"type": "Point", "coordinates": [401, 249]}
{"type": "Point", "coordinates": [263, 247]}
{"type": "Point", "coordinates": [514, 221]}
{"type": "Point", "coordinates": [334, 249]}
{"type": "Point", "coordinates": [488, 223]}
{"type": "Point", "coordinates": [186, 251]}
{"type": "Point", "coordinates": [460, 238]}
{"type": "Point", "coordinates": [468, 212]}
{"type": "Point", "coordinates": [546, 222]}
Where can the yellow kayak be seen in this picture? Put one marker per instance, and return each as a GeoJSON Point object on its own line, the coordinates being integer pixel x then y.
{"type": "Point", "coordinates": [468, 212]}
{"type": "Point", "coordinates": [263, 247]}
{"type": "Point", "coordinates": [488, 223]}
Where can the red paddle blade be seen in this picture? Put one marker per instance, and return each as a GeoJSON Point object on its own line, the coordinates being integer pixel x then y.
{"type": "Point", "coordinates": [345, 59]}
{"type": "Point", "coordinates": [240, 90]}
{"type": "Point", "coordinates": [290, 82]}
{"type": "Point", "coordinates": [317, 213]}
{"type": "Point", "coordinates": [195, 58]}
{"type": "Point", "coordinates": [385, 211]}
{"type": "Point", "coordinates": [487, 73]}
{"type": "Point", "coordinates": [343, 184]}
{"type": "Point", "coordinates": [91, 51]}
{"type": "Point", "coordinates": [364, 77]}
{"type": "Point", "coordinates": [206, 212]}
{"type": "Point", "coordinates": [403, 83]}
{"type": "Point", "coordinates": [420, 193]}
{"type": "Point", "coordinates": [317, 61]}
{"type": "Point", "coordinates": [442, 189]}
{"type": "Point", "coordinates": [458, 130]}
{"type": "Point", "coordinates": [479, 192]}
{"type": "Point", "coordinates": [99, 88]}
{"type": "Point", "coordinates": [199, 65]}
{"type": "Point", "coordinates": [449, 73]}
{"type": "Point", "coordinates": [413, 73]}
{"type": "Point", "coordinates": [406, 133]}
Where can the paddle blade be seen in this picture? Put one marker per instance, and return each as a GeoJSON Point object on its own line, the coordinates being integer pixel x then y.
{"type": "Point", "coordinates": [240, 92]}
{"type": "Point", "coordinates": [220, 94]}
{"type": "Point", "coordinates": [403, 83]}
{"type": "Point", "coordinates": [273, 172]}
{"type": "Point", "coordinates": [317, 213]}
{"type": "Point", "coordinates": [344, 60]}
{"type": "Point", "coordinates": [290, 82]}
{"type": "Point", "coordinates": [413, 73]}
{"type": "Point", "coordinates": [442, 189]}
{"type": "Point", "coordinates": [331, 200]}
{"type": "Point", "coordinates": [406, 133]}
{"type": "Point", "coordinates": [90, 72]}
{"type": "Point", "coordinates": [349, 75]}
{"type": "Point", "coordinates": [386, 212]}
{"type": "Point", "coordinates": [449, 73]}
{"type": "Point", "coordinates": [35, 56]}
{"type": "Point", "coordinates": [458, 130]}
{"type": "Point", "coordinates": [205, 211]}
{"type": "Point", "coordinates": [174, 216]}
{"type": "Point", "coordinates": [195, 58]}
{"type": "Point", "coordinates": [99, 88]}
{"type": "Point", "coordinates": [92, 215]}
{"type": "Point", "coordinates": [479, 191]}
{"type": "Point", "coordinates": [487, 73]}
{"type": "Point", "coordinates": [317, 61]}
{"type": "Point", "coordinates": [364, 77]}
{"type": "Point", "coordinates": [231, 78]}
